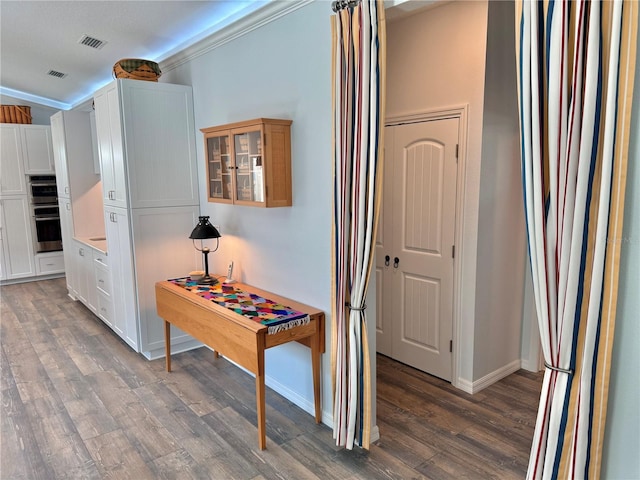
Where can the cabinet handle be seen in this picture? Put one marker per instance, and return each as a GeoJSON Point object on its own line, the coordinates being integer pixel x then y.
{"type": "Point", "coordinates": [396, 262]}
{"type": "Point", "coordinates": [386, 260]}
{"type": "Point", "coordinates": [66, 189]}
{"type": "Point", "coordinates": [68, 206]}
{"type": "Point", "coordinates": [101, 281]}
{"type": "Point", "coordinates": [81, 252]}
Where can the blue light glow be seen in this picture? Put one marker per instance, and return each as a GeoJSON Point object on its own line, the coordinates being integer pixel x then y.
{"type": "Point", "coordinates": [226, 13]}
{"type": "Point", "coordinates": [34, 98]}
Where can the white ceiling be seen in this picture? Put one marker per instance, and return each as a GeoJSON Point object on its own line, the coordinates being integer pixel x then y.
{"type": "Point", "coordinates": [39, 36]}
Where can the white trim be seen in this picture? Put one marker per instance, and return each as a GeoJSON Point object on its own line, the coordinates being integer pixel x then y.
{"type": "Point", "coordinates": [461, 112]}
{"type": "Point", "coordinates": [375, 434]}
{"type": "Point", "coordinates": [491, 378]}
{"type": "Point", "coordinates": [270, 12]}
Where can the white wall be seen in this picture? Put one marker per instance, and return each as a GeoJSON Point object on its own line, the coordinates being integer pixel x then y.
{"type": "Point", "coordinates": [436, 59]}
{"type": "Point", "coordinates": [280, 70]}
{"type": "Point", "coordinates": [621, 451]}
{"type": "Point", "coordinates": [501, 226]}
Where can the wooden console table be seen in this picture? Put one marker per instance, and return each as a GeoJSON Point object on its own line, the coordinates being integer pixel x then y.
{"type": "Point", "coordinates": [238, 338]}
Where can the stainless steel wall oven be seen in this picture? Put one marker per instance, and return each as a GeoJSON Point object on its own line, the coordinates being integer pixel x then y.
{"type": "Point", "coordinates": [47, 236]}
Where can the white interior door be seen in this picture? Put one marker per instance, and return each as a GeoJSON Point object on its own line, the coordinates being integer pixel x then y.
{"type": "Point", "coordinates": [415, 255]}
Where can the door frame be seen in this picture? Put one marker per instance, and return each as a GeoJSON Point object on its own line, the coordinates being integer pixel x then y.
{"type": "Point", "coordinates": [461, 112]}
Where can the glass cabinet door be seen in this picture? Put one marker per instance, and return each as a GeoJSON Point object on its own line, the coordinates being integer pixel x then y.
{"type": "Point", "coordinates": [219, 167]}
{"type": "Point", "coordinates": [248, 162]}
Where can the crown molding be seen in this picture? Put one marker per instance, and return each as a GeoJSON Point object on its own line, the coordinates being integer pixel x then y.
{"type": "Point", "coordinates": [270, 12]}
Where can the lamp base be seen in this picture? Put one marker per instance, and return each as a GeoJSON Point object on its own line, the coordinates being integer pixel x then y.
{"type": "Point", "coordinates": [207, 280]}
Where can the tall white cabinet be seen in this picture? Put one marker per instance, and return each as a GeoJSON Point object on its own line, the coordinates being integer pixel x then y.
{"type": "Point", "coordinates": [79, 195]}
{"type": "Point", "coordinates": [24, 150]}
{"type": "Point", "coordinates": [147, 149]}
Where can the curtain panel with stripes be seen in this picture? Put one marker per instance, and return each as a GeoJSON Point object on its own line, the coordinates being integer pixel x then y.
{"type": "Point", "coordinates": [358, 85]}
{"type": "Point", "coordinates": [576, 63]}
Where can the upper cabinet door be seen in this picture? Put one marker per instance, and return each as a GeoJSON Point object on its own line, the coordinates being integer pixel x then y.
{"type": "Point", "coordinates": [60, 154]}
{"type": "Point", "coordinates": [12, 180]}
{"type": "Point", "coordinates": [110, 148]}
{"type": "Point", "coordinates": [159, 142]}
{"type": "Point", "coordinates": [37, 150]}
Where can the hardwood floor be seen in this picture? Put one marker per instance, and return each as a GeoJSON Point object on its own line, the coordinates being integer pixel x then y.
{"type": "Point", "coordinates": [78, 403]}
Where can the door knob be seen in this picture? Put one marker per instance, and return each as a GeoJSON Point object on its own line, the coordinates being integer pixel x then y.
{"type": "Point", "coordinates": [396, 261]}
{"type": "Point", "coordinates": [386, 260]}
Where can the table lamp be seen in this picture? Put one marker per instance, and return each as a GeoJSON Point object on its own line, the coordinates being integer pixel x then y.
{"type": "Point", "coordinates": [203, 231]}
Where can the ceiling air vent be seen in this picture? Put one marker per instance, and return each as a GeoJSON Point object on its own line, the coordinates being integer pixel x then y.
{"type": "Point", "coordinates": [91, 42]}
{"type": "Point", "coordinates": [57, 74]}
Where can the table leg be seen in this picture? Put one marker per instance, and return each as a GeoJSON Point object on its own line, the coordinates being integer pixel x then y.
{"type": "Point", "coordinates": [260, 402]}
{"type": "Point", "coordinates": [167, 344]}
{"type": "Point", "coordinates": [315, 365]}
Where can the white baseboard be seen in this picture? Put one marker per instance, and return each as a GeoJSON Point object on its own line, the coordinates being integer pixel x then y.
{"type": "Point", "coordinates": [489, 379]}
{"type": "Point", "coordinates": [375, 434]}
{"type": "Point", "coordinates": [530, 366]}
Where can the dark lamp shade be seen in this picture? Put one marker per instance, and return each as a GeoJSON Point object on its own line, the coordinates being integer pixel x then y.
{"type": "Point", "coordinates": [204, 230]}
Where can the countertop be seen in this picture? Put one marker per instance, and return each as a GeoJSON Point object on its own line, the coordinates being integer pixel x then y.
{"type": "Point", "coordinates": [97, 243]}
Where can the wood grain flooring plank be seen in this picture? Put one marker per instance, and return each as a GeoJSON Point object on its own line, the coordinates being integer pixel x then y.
{"type": "Point", "coordinates": [279, 427]}
{"type": "Point", "coordinates": [178, 465]}
{"type": "Point", "coordinates": [193, 434]}
{"type": "Point", "coordinates": [29, 375]}
{"type": "Point", "coordinates": [407, 449]}
{"type": "Point", "coordinates": [58, 440]}
{"type": "Point", "coordinates": [273, 463]}
{"type": "Point", "coordinates": [116, 458]}
{"type": "Point", "coordinates": [191, 393]}
{"type": "Point", "coordinates": [503, 454]}
{"type": "Point", "coordinates": [18, 443]}
{"type": "Point", "coordinates": [377, 464]}
{"type": "Point", "coordinates": [77, 350]}
{"type": "Point", "coordinates": [113, 392]}
{"type": "Point", "coordinates": [317, 458]}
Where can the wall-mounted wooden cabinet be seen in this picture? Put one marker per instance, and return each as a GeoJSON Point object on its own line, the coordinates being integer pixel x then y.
{"type": "Point", "coordinates": [249, 163]}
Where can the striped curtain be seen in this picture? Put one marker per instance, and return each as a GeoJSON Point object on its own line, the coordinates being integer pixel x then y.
{"type": "Point", "coordinates": [576, 62]}
{"type": "Point", "coordinates": [358, 85]}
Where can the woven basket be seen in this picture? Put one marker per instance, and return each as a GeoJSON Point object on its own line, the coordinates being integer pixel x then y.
{"type": "Point", "coordinates": [15, 114]}
{"type": "Point", "coordinates": [137, 69]}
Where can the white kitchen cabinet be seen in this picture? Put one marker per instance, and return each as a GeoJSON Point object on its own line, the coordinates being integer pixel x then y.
{"type": "Point", "coordinates": [60, 155]}
{"type": "Point", "coordinates": [30, 147]}
{"type": "Point", "coordinates": [110, 146]}
{"type": "Point", "coordinates": [118, 233]}
{"type": "Point", "coordinates": [17, 240]}
{"type": "Point", "coordinates": [66, 226]}
{"type": "Point", "coordinates": [155, 260]}
{"type": "Point", "coordinates": [84, 281]}
{"type": "Point", "coordinates": [104, 287]}
{"type": "Point", "coordinates": [94, 143]}
{"type": "Point", "coordinates": [37, 150]}
{"type": "Point", "coordinates": [49, 263]}
{"type": "Point", "coordinates": [77, 180]}
{"type": "Point", "coordinates": [12, 180]}
{"type": "Point", "coordinates": [81, 282]}
{"type": "Point", "coordinates": [146, 144]}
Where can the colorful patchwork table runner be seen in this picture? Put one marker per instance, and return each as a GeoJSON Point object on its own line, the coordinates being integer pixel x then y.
{"type": "Point", "coordinates": [275, 316]}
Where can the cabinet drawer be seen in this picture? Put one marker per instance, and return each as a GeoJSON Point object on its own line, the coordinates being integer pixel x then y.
{"type": "Point", "coordinates": [47, 264]}
{"type": "Point", "coordinates": [100, 258]}
{"type": "Point", "coordinates": [105, 307]}
{"type": "Point", "coordinates": [103, 279]}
